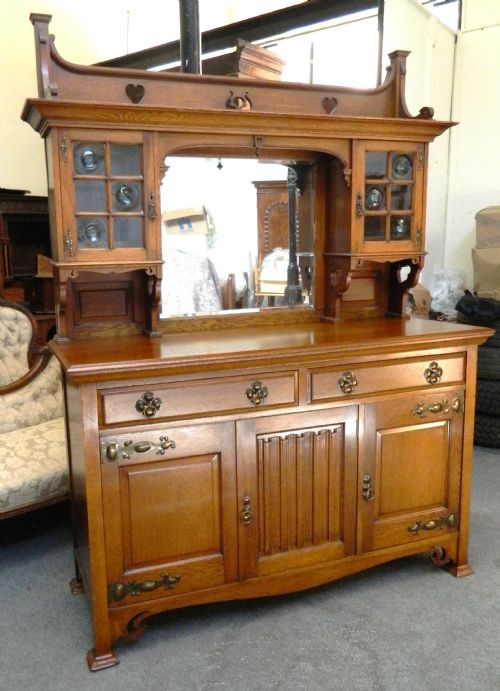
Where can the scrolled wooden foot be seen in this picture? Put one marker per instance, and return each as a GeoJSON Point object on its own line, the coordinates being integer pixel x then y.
{"type": "Point", "coordinates": [97, 662]}
{"type": "Point", "coordinates": [438, 557]}
{"type": "Point", "coordinates": [136, 627]}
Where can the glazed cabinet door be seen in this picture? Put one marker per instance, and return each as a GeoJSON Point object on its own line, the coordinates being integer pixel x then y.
{"type": "Point", "coordinates": [169, 510]}
{"type": "Point", "coordinates": [296, 489]}
{"type": "Point", "coordinates": [109, 189]}
{"type": "Point", "coordinates": [389, 190]}
{"type": "Point", "coordinates": [410, 469]}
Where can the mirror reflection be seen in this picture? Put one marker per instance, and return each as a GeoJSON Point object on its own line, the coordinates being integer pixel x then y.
{"type": "Point", "coordinates": [236, 234]}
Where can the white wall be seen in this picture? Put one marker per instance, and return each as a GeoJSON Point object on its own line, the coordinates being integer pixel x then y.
{"type": "Point", "coordinates": [429, 82]}
{"type": "Point", "coordinates": [97, 30]}
{"type": "Point", "coordinates": [86, 32]}
{"type": "Point", "coordinates": [475, 153]}
{"type": "Point", "coordinates": [80, 38]}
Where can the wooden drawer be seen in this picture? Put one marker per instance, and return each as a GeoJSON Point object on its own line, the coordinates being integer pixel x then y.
{"type": "Point", "coordinates": [199, 398]}
{"type": "Point", "coordinates": [327, 383]}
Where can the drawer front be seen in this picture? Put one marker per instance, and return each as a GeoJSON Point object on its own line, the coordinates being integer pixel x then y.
{"type": "Point", "coordinates": [199, 398]}
{"type": "Point", "coordinates": [327, 383]}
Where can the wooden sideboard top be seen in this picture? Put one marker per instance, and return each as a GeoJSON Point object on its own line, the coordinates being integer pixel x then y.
{"type": "Point", "coordinates": [134, 357]}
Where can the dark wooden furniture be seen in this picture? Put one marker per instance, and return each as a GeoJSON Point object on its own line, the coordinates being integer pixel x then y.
{"type": "Point", "coordinates": [24, 235]}
{"type": "Point", "coordinates": [256, 453]}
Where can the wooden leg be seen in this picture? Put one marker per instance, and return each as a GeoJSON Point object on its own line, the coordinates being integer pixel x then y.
{"type": "Point", "coordinates": [439, 558]}
{"type": "Point", "coordinates": [76, 586]}
{"type": "Point", "coordinates": [76, 583]}
{"type": "Point", "coordinates": [97, 661]}
{"type": "Point", "coordinates": [461, 571]}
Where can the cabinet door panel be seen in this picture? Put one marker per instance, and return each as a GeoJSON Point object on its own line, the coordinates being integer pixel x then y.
{"type": "Point", "coordinates": [170, 510]}
{"type": "Point", "coordinates": [298, 475]}
{"type": "Point", "coordinates": [160, 498]}
{"type": "Point", "coordinates": [410, 472]}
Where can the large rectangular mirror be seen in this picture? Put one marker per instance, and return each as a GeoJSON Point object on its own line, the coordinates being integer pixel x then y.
{"type": "Point", "coordinates": [237, 233]}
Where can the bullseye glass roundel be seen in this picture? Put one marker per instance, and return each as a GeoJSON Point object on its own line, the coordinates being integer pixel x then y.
{"type": "Point", "coordinates": [89, 159]}
{"type": "Point", "coordinates": [401, 166]}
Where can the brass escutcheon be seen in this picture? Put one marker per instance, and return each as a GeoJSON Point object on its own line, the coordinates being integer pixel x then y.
{"type": "Point", "coordinates": [257, 393]}
{"type": "Point", "coordinates": [148, 405]}
{"type": "Point", "coordinates": [367, 490]}
{"type": "Point", "coordinates": [433, 373]}
{"type": "Point", "coordinates": [246, 513]}
{"type": "Point", "coordinates": [359, 205]}
{"type": "Point", "coordinates": [347, 382]}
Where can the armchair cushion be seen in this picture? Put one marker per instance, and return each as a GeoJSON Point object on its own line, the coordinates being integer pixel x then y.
{"type": "Point", "coordinates": [15, 337]}
{"type": "Point", "coordinates": [33, 465]}
{"type": "Point", "coordinates": [33, 456]}
{"type": "Point", "coordinates": [39, 401]}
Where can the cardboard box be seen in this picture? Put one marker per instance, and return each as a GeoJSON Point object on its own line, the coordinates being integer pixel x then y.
{"type": "Point", "coordinates": [486, 265]}
{"type": "Point", "coordinates": [422, 299]}
{"type": "Point", "coordinates": [488, 227]}
{"type": "Point", "coordinates": [186, 222]}
{"type": "Point", "coordinates": [43, 266]}
{"type": "Point", "coordinates": [491, 294]}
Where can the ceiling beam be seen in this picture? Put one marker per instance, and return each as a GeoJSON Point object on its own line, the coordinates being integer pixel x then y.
{"type": "Point", "coordinates": [253, 29]}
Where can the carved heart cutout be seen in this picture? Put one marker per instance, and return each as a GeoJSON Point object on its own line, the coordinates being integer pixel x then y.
{"type": "Point", "coordinates": [329, 104]}
{"type": "Point", "coordinates": [135, 92]}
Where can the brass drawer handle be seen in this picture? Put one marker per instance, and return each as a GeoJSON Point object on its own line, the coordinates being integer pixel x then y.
{"type": "Point", "coordinates": [433, 373]}
{"type": "Point", "coordinates": [347, 382]}
{"type": "Point", "coordinates": [444, 522]}
{"type": "Point", "coordinates": [445, 406]}
{"type": "Point", "coordinates": [113, 450]}
{"type": "Point", "coordinates": [149, 404]}
{"type": "Point", "coordinates": [246, 513]}
{"type": "Point", "coordinates": [118, 591]}
{"type": "Point", "coordinates": [257, 393]}
{"type": "Point", "coordinates": [367, 491]}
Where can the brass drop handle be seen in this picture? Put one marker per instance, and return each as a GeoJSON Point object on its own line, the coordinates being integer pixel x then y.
{"type": "Point", "coordinates": [149, 404]}
{"type": "Point", "coordinates": [257, 393]}
{"type": "Point", "coordinates": [347, 382]}
{"type": "Point", "coordinates": [246, 513]}
{"type": "Point", "coordinates": [367, 490]}
{"type": "Point", "coordinates": [444, 522]}
{"type": "Point", "coordinates": [445, 406]}
{"type": "Point", "coordinates": [433, 373]}
{"type": "Point", "coordinates": [435, 407]}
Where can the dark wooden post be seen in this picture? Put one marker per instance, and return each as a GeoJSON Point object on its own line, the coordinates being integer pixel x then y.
{"type": "Point", "coordinates": [293, 290]}
{"type": "Point", "coordinates": [190, 41]}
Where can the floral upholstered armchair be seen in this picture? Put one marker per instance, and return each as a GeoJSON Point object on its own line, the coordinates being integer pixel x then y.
{"type": "Point", "coordinates": [33, 456]}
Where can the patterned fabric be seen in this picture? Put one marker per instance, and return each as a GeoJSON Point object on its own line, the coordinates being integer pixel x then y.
{"type": "Point", "coordinates": [189, 284]}
{"type": "Point", "coordinates": [38, 401]}
{"type": "Point", "coordinates": [15, 336]}
{"type": "Point", "coordinates": [33, 458]}
{"type": "Point", "coordinates": [33, 465]}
